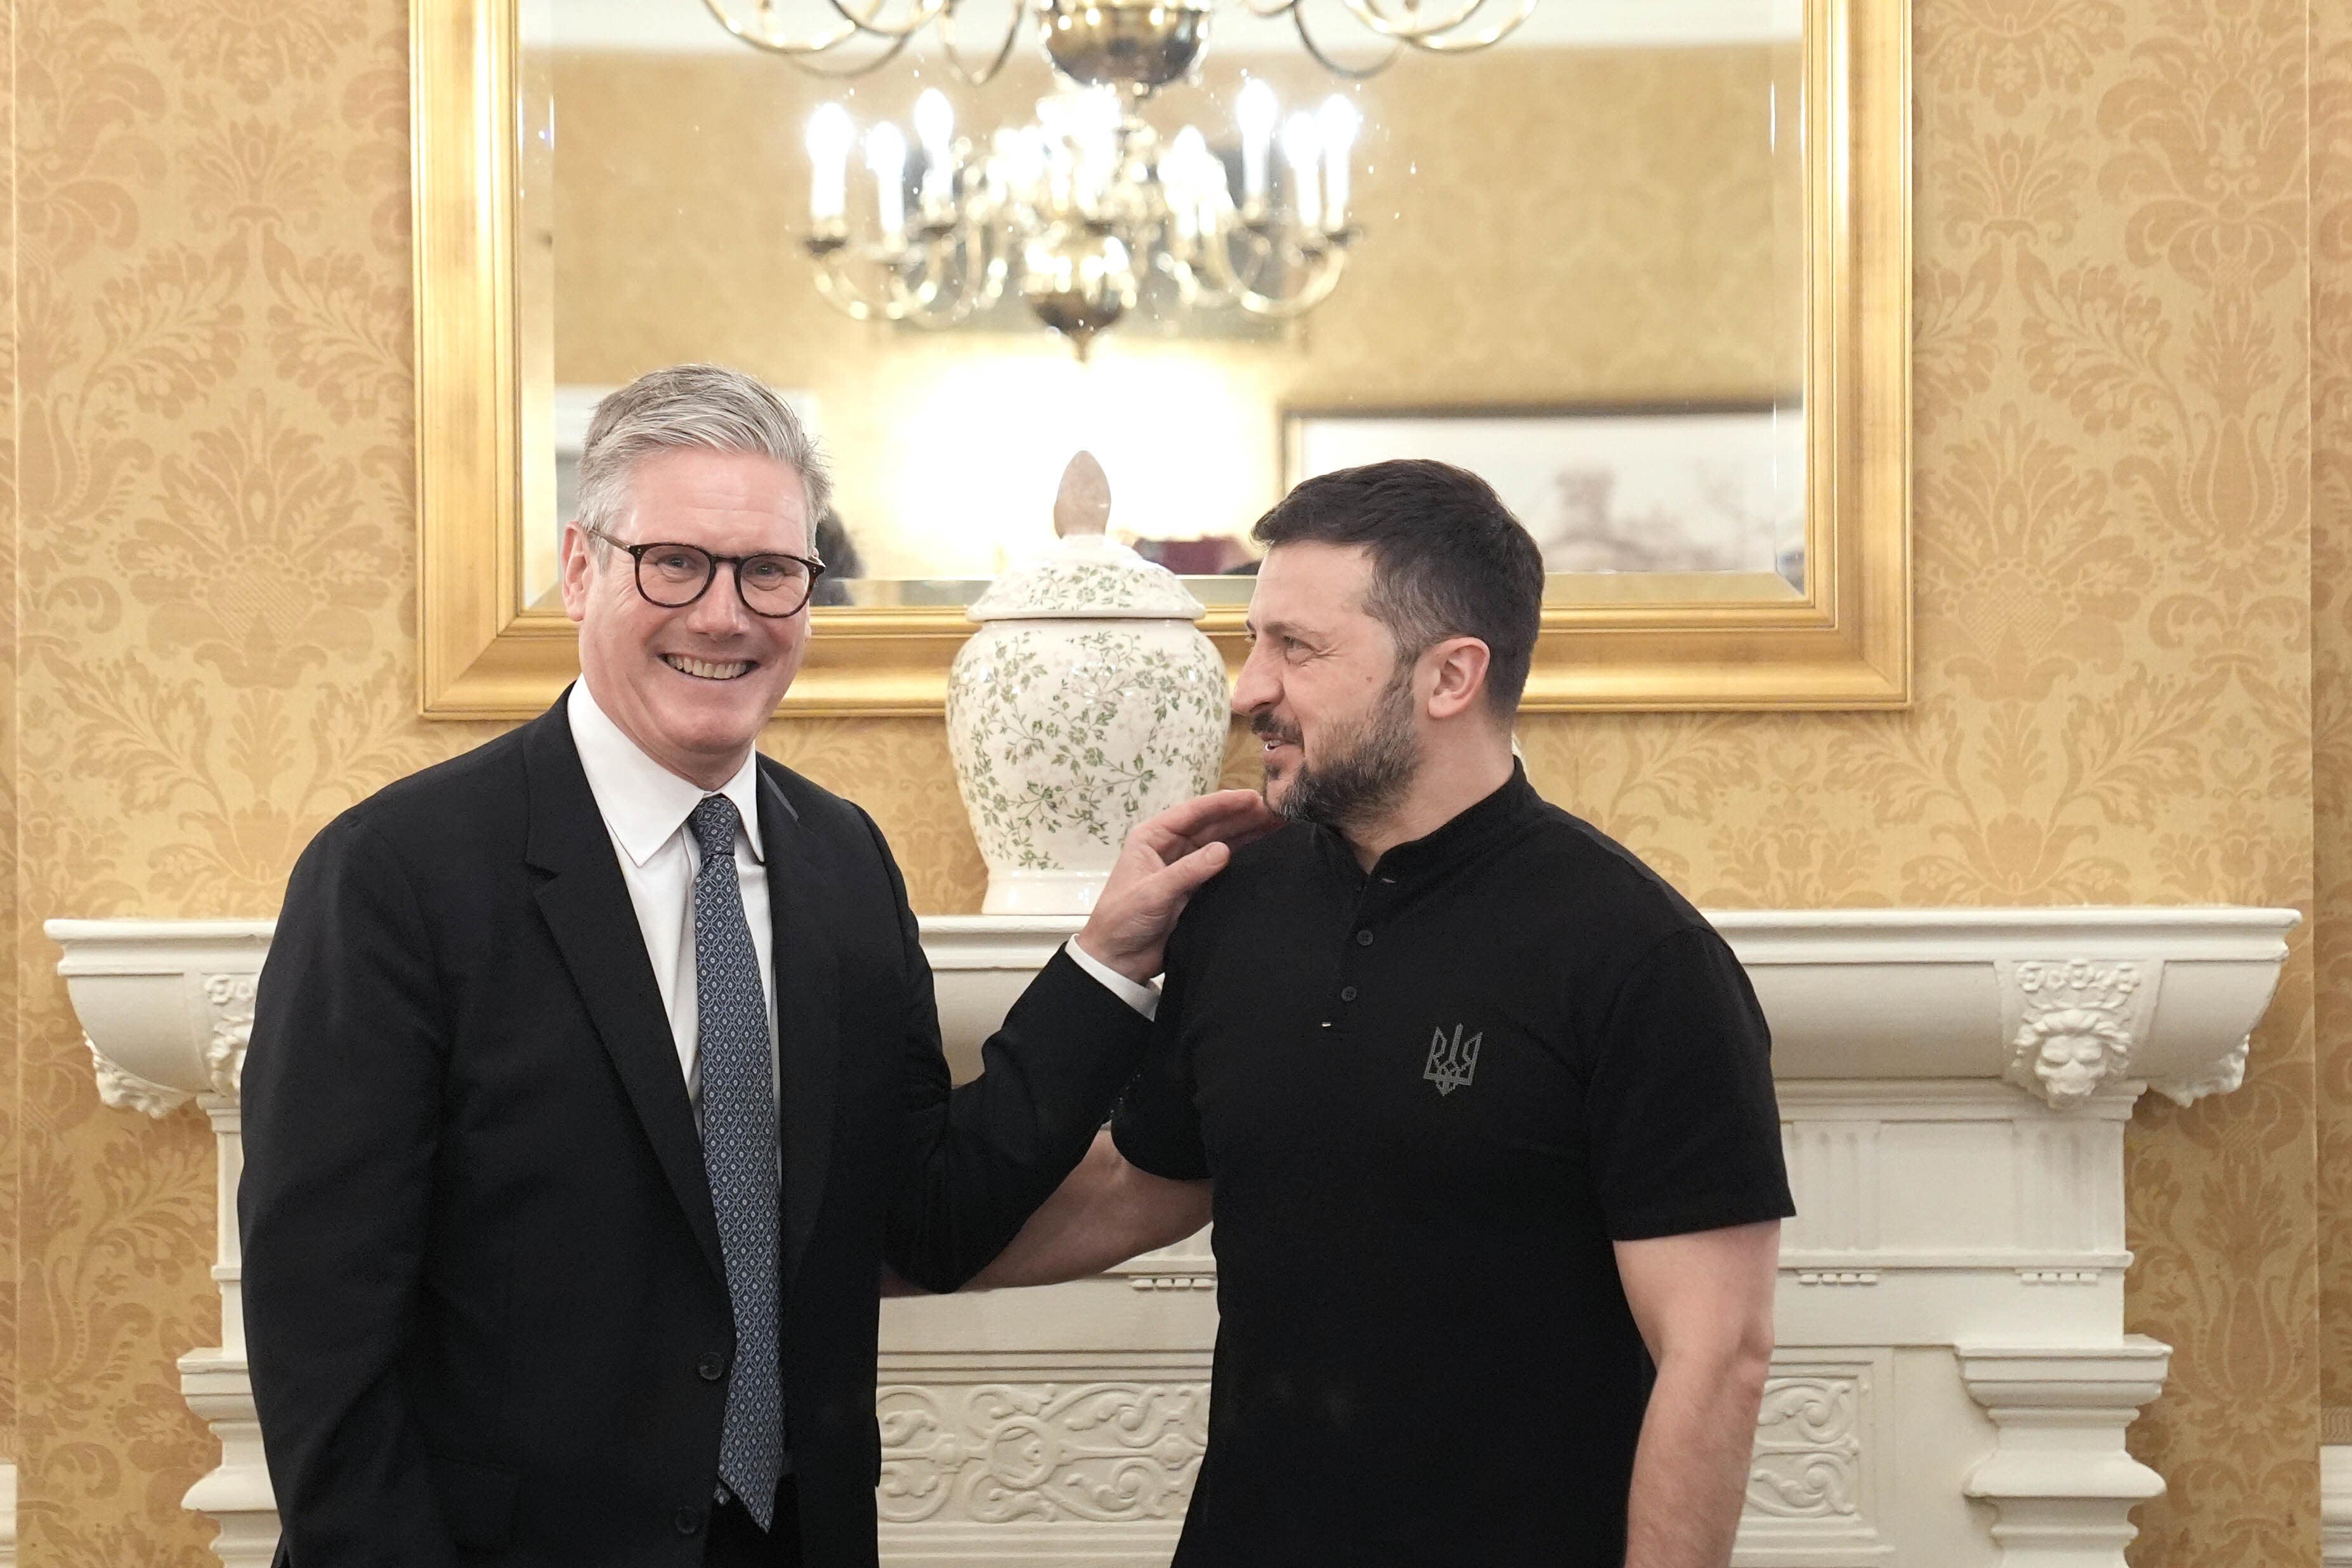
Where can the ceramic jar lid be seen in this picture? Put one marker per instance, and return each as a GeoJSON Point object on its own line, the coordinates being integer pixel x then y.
{"type": "Point", "coordinates": [1086, 576]}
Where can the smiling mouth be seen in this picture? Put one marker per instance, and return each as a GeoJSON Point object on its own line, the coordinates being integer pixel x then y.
{"type": "Point", "coordinates": [707, 669]}
{"type": "Point", "coordinates": [1271, 734]}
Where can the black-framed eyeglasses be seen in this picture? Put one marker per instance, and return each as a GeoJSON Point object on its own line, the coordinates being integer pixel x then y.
{"type": "Point", "coordinates": [676, 575]}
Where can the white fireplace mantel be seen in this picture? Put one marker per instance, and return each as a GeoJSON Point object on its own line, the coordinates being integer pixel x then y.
{"type": "Point", "coordinates": [1954, 1086]}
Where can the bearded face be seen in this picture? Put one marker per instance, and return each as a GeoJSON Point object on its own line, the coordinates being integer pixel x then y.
{"type": "Point", "coordinates": [1353, 768]}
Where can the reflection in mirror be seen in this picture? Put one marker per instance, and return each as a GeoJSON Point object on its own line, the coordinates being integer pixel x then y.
{"type": "Point", "coordinates": [1573, 262]}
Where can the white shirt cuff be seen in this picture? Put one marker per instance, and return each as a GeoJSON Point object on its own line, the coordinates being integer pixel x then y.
{"type": "Point", "coordinates": [1144, 999]}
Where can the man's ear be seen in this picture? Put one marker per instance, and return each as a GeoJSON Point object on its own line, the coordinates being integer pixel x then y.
{"type": "Point", "coordinates": [1458, 667]}
{"type": "Point", "coordinates": [576, 565]}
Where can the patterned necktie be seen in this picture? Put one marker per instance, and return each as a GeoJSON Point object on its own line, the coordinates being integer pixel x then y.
{"type": "Point", "coordinates": [740, 1154]}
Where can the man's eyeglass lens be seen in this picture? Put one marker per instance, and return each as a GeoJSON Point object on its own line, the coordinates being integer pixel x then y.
{"type": "Point", "coordinates": [674, 576]}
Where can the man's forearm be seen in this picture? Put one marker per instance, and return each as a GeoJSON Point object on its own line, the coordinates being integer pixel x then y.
{"type": "Point", "coordinates": [986, 1153]}
{"type": "Point", "coordinates": [1690, 1472]}
{"type": "Point", "coordinates": [1106, 1212]}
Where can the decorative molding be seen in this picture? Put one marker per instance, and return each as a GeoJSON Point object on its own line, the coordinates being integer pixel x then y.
{"type": "Point", "coordinates": [2058, 1477]}
{"type": "Point", "coordinates": [1879, 994]}
{"type": "Point", "coordinates": [1983, 1097]}
{"type": "Point", "coordinates": [215, 1380]}
{"type": "Point", "coordinates": [1202, 1281]}
{"type": "Point", "coordinates": [231, 996]}
{"type": "Point", "coordinates": [2224, 1076]}
{"type": "Point", "coordinates": [165, 1005]}
{"type": "Point", "coordinates": [123, 1089]}
{"type": "Point", "coordinates": [2018, 1260]}
{"type": "Point", "coordinates": [1005, 1452]}
{"type": "Point", "coordinates": [1813, 1483]}
{"type": "Point", "coordinates": [2335, 1506]}
{"type": "Point", "coordinates": [236, 1493]}
{"type": "Point", "coordinates": [1835, 1165]}
{"type": "Point", "coordinates": [1808, 1462]}
{"type": "Point", "coordinates": [1070, 1542]}
{"type": "Point", "coordinates": [2076, 1022]}
{"type": "Point", "coordinates": [1188, 1265]}
{"type": "Point", "coordinates": [2067, 1208]}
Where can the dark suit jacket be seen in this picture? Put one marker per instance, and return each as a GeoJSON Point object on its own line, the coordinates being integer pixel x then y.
{"type": "Point", "coordinates": [487, 1317]}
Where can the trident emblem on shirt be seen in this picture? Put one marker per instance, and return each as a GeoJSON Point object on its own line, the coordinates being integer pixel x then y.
{"type": "Point", "coordinates": [1451, 1062]}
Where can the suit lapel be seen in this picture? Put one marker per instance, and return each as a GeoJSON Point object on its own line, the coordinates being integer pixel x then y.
{"type": "Point", "coordinates": [807, 1012]}
{"type": "Point", "coordinates": [587, 908]}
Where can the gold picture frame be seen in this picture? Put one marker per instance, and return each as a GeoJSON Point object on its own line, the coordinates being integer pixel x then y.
{"type": "Point", "coordinates": [1843, 643]}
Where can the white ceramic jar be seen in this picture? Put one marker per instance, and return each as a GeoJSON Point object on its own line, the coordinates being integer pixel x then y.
{"type": "Point", "coordinates": [1086, 700]}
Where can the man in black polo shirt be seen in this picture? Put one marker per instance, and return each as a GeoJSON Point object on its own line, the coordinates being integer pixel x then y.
{"type": "Point", "coordinates": [1481, 1107]}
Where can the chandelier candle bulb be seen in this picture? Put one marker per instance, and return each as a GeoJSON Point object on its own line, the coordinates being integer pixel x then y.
{"type": "Point", "coordinates": [1256, 110]}
{"type": "Point", "coordinates": [1303, 151]}
{"type": "Point", "coordinates": [935, 128]}
{"type": "Point", "coordinates": [830, 136]}
{"type": "Point", "coordinates": [1216, 193]}
{"type": "Point", "coordinates": [1096, 127]}
{"type": "Point", "coordinates": [1339, 122]}
{"type": "Point", "coordinates": [1184, 174]}
{"type": "Point", "coordinates": [886, 160]}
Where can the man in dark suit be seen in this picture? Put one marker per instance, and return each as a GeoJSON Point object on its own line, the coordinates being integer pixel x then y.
{"type": "Point", "coordinates": [596, 1076]}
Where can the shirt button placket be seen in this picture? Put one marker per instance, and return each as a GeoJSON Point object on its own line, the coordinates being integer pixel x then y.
{"type": "Point", "coordinates": [1347, 993]}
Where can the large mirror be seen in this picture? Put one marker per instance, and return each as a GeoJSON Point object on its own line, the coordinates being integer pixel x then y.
{"type": "Point", "coordinates": [1641, 265]}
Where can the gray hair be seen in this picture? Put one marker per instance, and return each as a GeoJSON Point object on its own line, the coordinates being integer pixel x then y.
{"type": "Point", "coordinates": [681, 406]}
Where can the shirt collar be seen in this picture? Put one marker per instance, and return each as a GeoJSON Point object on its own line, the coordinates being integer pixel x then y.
{"type": "Point", "coordinates": [1463, 834]}
{"type": "Point", "coordinates": [643, 802]}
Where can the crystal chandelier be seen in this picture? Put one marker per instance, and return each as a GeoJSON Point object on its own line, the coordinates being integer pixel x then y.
{"type": "Point", "coordinates": [1076, 210]}
{"type": "Point", "coordinates": [1079, 209]}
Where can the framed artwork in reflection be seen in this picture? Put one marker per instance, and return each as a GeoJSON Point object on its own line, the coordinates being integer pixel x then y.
{"type": "Point", "coordinates": [1716, 488]}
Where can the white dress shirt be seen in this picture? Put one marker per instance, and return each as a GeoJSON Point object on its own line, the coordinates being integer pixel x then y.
{"type": "Point", "coordinates": [645, 806]}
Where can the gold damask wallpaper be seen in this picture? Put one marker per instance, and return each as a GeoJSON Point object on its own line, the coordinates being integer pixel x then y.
{"type": "Point", "coordinates": [2127, 318]}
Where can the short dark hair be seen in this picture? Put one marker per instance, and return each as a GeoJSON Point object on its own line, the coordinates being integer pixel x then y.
{"type": "Point", "coordinates": [1448, 558]}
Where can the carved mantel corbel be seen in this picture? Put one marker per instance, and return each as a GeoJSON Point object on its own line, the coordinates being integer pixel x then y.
{"type": "Point", "coordinates": [1919, 1054]}
{"type": "Point", "coordinates": [2075, 1023]}
{"type": "Point", "coordinates": [166, 1006]}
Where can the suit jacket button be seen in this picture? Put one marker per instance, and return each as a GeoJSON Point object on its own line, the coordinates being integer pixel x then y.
{"type": "Point", "coordinates": [712, 1367]}
{"type": "Point", "coordinates": [688, 1520]}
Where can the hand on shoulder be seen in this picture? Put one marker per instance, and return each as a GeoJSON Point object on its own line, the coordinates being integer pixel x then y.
{"type": "Point", "coordinates": [1163, 862]}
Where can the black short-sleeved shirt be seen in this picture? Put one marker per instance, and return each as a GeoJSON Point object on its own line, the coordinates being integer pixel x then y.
{"type": "Point", "coordinates": [1431, 1098]}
